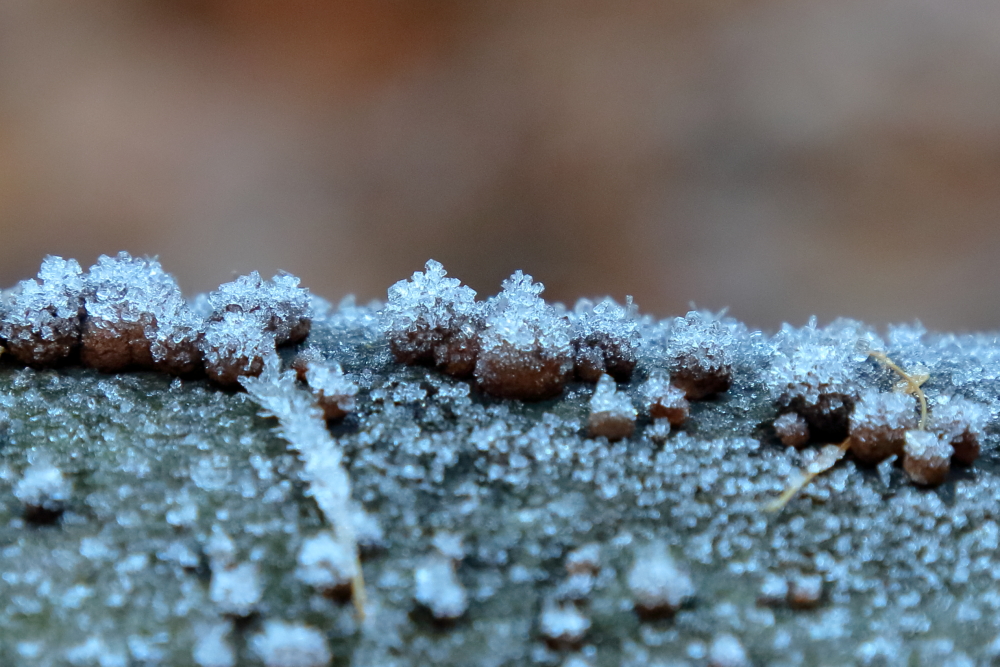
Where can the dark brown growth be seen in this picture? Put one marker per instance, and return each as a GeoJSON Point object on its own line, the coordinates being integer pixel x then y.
{"type": "Point", "coordinates": [41, 319]}
{"type": "Point", "coordinates": [665, 401]}
{"type": "Point", "coordinates": [879, 425]}
{"type": "Point", "coordinates": [926, 458]}
{"type": "Point", "coordinates": [792, 429]}
{"type": "Point", "coordinates": [435, 320]}
{"type": "Point", "coordinates": [605, 339]}
{"type": "Point", "coordinates": [699, 360]}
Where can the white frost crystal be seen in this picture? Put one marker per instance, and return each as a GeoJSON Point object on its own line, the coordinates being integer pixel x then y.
{"type": "Point", "coordinates": [237, 589]}
{"type": "Point", "coordinates": [525, 350]}
{"type": "Point", "coordinates": [438, 589]}
{"type": "Point", "coordinates": [611, 411]}
{"type": "Point", "coordinates": [41, 318]}
{"type": "Point", "coordinates": [43, 485]}
{"type": "Point", "coordinates": [291, 645]}
{"type": "Point", "coordinates": [325, 564]}
{"type": "Point", "coordinates": [657, 582]}
{"type": "Point", "coordinates": [563, 623]}
{"type": "Point", "coordinates": [212, 648]}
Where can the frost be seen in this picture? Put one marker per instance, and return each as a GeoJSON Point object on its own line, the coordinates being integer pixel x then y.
{"type": "Point", "coordinates": [333, 390]}
{"type": "Point", "coordinates": [727, 651]}
{"type": "Point", "coordinates": [792, 429]}
{"type": "Point", "coordinates": [605, 339]}
{"type": "Point", "coordinates": [562, 623]}
{"type": "Point", "coordinates": [879, 424]}
{"type": "Point", "coordinates": [281, 305]}
{"type": "Point", "coordinates": [235, 346]}
{"type": "Point", "coordinates": [961, 423]}
{"type": "Point", "coordinates": [663, 400]}
{"type": "Point", "coordinates": [137, 317]}
{"type": "Point", "coordinates": [926, 457]}
{"type": "Point", "coordinates": [658, 584]}
{"type": "Point", "coordinates": [700, 355]}
{"type": "Point", "coordinates": [611, 412]}
{"type": "Point", "coordinates": [290, 645]}
{"type": "Point", "coordinates": [433, 319]}
{"type": "Point", "coordinates": [438, 589]}
{"type": "Point", "coordinates": [236, 589]}
{"type": "Point", "coordinates": [40, 319]}
{"type": "Point", "coordinates": [525, 349]}
{"type": "Point", "coordinates": [301, 423]}
{"type": "Point", "coordinates": [325, 564]}
{"type": "Point", "coordinates": [212, 649]}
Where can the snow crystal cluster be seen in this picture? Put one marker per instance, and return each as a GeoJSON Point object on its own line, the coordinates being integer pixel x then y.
{"type": "Point", "coordinates": [515, 344]}
{"type": "Point", "coordinates": [127, 313]}
{"type": "Point", "coordinates": [611, 412]}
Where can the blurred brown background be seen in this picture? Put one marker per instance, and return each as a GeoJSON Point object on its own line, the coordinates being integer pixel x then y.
{"type": "Point", "coordinates": [779, 157]}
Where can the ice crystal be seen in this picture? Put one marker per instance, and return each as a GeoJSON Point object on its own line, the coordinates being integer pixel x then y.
{"type": "Point", "coordinates": [658, 584]}
{"type": "Point", "coordinates": [280, 304]}
{"type": "Point", "coordinates": [605, 339]}
{"type": "Point", "coordinates": [611, 412]}
{"type": "Point", "coordinates": [40, 319]}
{"type": "Point", "coordinates": [437, 588]}
{"type": "Point", "coordinates": [525, 349]}
{"type": "Point", "coordinates": [301, 423]}
{"type": "Point", "coordinates": [433, 319]}
{"type": "Point", "coordinates": [879, 424]}
{"type": "Point", "coordinates": [700, 355]}
{"type": "Point", "coordinates": [926, 457]}
{"type": "Point", "coordinates": [325, 564]}
{"type": "Point", "coordinates": [235, 345]}
{"type": "Point", "coordinates": [291, 645]}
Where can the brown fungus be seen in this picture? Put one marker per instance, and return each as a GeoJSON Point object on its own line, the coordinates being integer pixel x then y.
{"type": "Point", "coordinates": [432, 319]}
{"type": "Point", "coordinates": [664, 400]}
{"type": "Point", "coordinates": [40, 319]}
{"type": "Point", "coordinates": [525, 350]}
{"type": "Point", "coordinates": [605, 339]}
{"type": "Point", "coordinates": [699, 356]}
{"type": "Point", "coordinates": [611, 412]}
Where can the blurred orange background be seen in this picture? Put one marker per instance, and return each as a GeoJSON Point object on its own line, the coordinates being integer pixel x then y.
{"type": "Point", "coordinates": [780, 158]}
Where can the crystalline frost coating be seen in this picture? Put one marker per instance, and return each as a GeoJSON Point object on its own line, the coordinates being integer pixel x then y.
{"type": "Point", "coordinates": [700, 355]}
{"type": "Point", "coordinates": [282, 306]}
{"type": "Point", "coordinates": [40, 319]}
{"type": "Point", "coordinates": [236, 589]}
{"type": "Point", "coordinates": [792, 429]}
{"type": "Point", "coordinates": [814, 372]}
{"type": "Point", "coordinates": [235, 346]}
{"type": "Point", "coordinates": [727, 651]}
{"type": "Point", "coordinates": [961, 423]}
{"type": "Point", "coordinates": [291, 645]}
{"type": "Point", "coordinates": [664, 400]}
{"type": "Point", "coordinates": [333, 390]}
{"type": "Point", "coordinates": [605, 339]}
{"type": "Point", "coordinates": [437, 588]}
{"type": "Point", "coordinates": [926, 457]}
{"type": "Point", "coordinates": [433, 319]}
{"type": "Point", "coordinates": [562, 623]}
{"type": "Point", "coordinates": [302, 425]}
{"type": "Point", "coordinates": [658, 584]}
{"type": "Point", "coordinates": [43, 486]}
{"type": "Point", "coordinates": [137, 317]}
{"type": "Point", "coordinates": [525, 350]}
{"type": "Point", "coordinates": [212, 649]}
{"type": "Point", "coordinates": [611, 412]}
{"type": "Point", "coordinates": [325, 564]}
{"type": "Point", "coordinates": [879, 424]}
